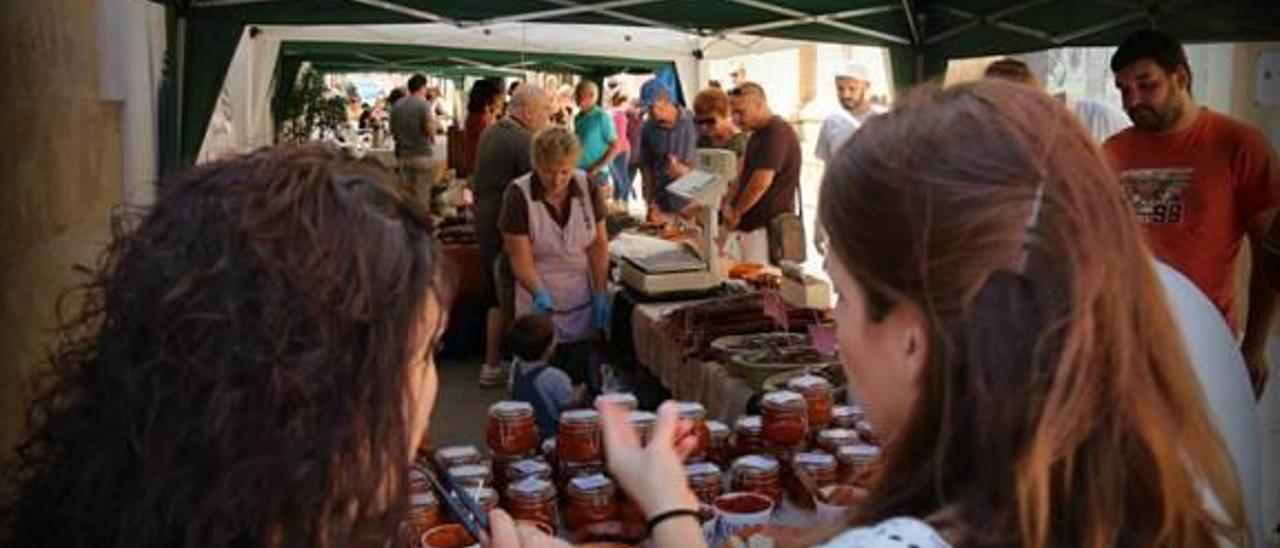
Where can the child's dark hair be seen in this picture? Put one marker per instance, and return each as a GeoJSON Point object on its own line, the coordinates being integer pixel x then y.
{"type": "Point", "coordinates": [530, 336]}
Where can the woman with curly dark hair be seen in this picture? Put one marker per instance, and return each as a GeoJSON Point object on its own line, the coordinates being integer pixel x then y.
{"type": "Point", "coordinates": [252, 366]}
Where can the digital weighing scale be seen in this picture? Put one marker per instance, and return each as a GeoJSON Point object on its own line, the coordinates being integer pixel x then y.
{"type": "Point", "coordinates": [653, 266]}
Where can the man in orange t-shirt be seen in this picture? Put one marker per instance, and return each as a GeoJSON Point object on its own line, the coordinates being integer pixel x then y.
{"type": "Point", "coordinates": [1199, 182]}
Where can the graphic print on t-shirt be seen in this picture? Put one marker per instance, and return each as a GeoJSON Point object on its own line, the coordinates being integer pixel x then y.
{"type": "Point", "coordinates": [1158, 196]}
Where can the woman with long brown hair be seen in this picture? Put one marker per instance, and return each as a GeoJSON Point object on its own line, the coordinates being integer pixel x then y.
{"type": "Point", "coordinates": [1002, 321]}
{"type": "Point", "coordinates": [251, 366]}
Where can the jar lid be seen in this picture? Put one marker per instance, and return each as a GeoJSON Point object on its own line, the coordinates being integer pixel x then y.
{"type": "Point", "coordinates": [532, 486]}
{"type": "Point", "coordinates": [782, 397]}
{"type": "Point", "coordinates": [807, 382]}
{"type": "Point", "coordinates": [469, 471]}
{"type": "Point", "coordinates": [750, 423]}
{"type": "Point", "coordinates": [528, 467]}
{"type": "Point", "coordinates": [624, 399]}
{"type": "Point", "coordinates": [717, 429]}
{"type": "Point", "coordinates": [458, 452]}
{"type": "Point", "coordinates": [695, 469]}
{"type": "Point", "coordinates": [853, 411]}
{"type": "Point", "coordinates": [509, 408]}
{"type": "Point", "coordinates": [580, 416]}
{"type": "Point", "coordinates": [762, 463]}
{"type": "Point", "coordinates": [691, 410]}
{"type": "Point", "coordinates": [422, 499]}
{"type": "Point", "coordinates": [593, 483]}
{"type": "Point", "coordinates": [643, 417]}
{"type": "Point", "coordinates": [840, 436]}
{"type": "Point", "coordinates": [814, 459]}
{"type": "Point", "coordinates": [859, 451]}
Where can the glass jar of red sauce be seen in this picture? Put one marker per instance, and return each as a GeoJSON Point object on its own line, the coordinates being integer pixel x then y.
{"type": "Point", "coordinates": [818, 399]}
{"type": "Point", "coordinates": [832, 439]}
{"type": "Point", "coordinates": [643, 422]}
{"type": "Point", "coordinates": [718, 450]}
{"type": "Point", "coordinates": [532, 499]}
{"type": "Point", "coordinates": [589, 500]}
{"type": "Point", "coordinates": [511, 429]}
{"type": "Point", "coordinates": [693, 416]}
{"type": "Point", "coordinates": [578, 439]}
{"type": "Point", "coordinates": [424, 512]}
{"type": "Point", "coordinates": [758, 474]}
{"type": "Point", "coordinates": [820, 466]}
{"type": "Point", "coordinates": [747, 438]}
{"type": "Point", "coordinates": [621, 399]}
{"type": "Point", "coordinates": [705, 480]}
{"type": "Point", "coordinates": [449, 535]}
{"type": "Point", "coordinates": [783, 417]}
{"type": "Point", "coordinates": [853, 459]}
{"type": "Point", "coordinates": [846, 416]}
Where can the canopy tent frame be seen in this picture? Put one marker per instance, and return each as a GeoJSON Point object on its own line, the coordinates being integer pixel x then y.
{"type": "Point", "coordinates": [921, 35]}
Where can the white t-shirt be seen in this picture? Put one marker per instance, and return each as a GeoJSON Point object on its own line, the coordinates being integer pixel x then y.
{"type": "Point", "coordinates": [898, 532]}
{"type": "Point", "coordinates": [838, 128]}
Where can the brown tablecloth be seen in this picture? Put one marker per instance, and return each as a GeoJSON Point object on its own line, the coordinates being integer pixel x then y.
{"type": "Point", "coordinates": [708, 382]}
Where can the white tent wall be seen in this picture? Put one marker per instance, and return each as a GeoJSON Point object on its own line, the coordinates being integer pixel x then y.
{"type": "Point", "coordinates": [249, 83]}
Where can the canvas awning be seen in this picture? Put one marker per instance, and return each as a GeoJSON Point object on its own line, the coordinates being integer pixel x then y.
{"type": "Point", "coordinates": [920, 34]}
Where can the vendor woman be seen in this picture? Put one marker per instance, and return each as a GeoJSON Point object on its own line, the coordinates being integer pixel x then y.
{"type": "Point", "coordinates": [552, 224]}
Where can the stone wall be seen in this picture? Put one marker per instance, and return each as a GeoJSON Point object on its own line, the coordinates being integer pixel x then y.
{"type": "Point", "coordinates": [60, 162]}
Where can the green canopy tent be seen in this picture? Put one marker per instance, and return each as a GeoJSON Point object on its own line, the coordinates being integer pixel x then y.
{"type": "Point", "coordinates": [455, 63]}
{"type": "Point", "coordinates": [920, 34]}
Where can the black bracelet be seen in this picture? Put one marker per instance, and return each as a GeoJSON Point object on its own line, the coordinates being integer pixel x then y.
{"type": "Point", "coordinates": [678, 512]}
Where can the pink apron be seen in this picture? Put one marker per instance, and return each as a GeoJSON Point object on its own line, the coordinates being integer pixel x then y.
{"type": "Point", "coordinates": [560, 258]}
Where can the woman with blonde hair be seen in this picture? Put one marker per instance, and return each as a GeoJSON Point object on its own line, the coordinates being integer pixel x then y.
{"type": "Point", "coordinates": [999, 313]}
{"type": "Point", "coordinates": [552, 225]}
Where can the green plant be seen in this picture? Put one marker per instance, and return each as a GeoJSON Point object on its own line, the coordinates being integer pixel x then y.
{"type": "Point", "coordinates": [311, 107]}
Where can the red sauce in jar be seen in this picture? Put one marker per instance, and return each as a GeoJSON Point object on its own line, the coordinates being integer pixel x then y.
{"type": "Point", "coordinates": [532, 499]}
{"type": "Point", "coordinates": [758, 474]}
{"type": "Point", "coordinates": [820, 466]}
{"type": "Point", "coordinates": [589, 500]}
{"type": "Point", "coordinates": [853, 459]}
{"type": "Point", "coordinates": [719, 450]}
{"type": "Point", "coordinates": [818, 399]}
{"type": "Point", "coordinates": [578, 439]}
{"type": "Point", "coordinates": [705, 480]}
{"type": "Point", "coordinates": [783, 414]}
{"type": "Point", "coordinates": [511, 428]}
{"type": "Point", "coordinates": [747, 439]}
{"type": "Point", "coordinates": [448, 536]}
{"type": "Point", "coordinates": [742, 505]}
{"type": "Point", "coordinates": [693, 417]}
{"type": "Point", "coordinates": [424, 513]}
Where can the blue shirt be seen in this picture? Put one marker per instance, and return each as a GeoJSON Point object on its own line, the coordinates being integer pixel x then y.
{"type": "Point", "coordinates": [656, 142]}
{"type": "Point", "coordinates": [595, 131]}
{"type": "Point", "coordinates": [549, 390]}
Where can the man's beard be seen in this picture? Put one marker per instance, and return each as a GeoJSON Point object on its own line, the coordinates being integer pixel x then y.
{"type": "Point", "coordinates": [1154, 120]}
{"type": "Point", "coordinates": [852, 104]}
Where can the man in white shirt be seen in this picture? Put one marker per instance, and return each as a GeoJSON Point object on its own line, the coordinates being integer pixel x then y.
{"type": "Point", "coordinates": [1099, 119]}
{"type": "Point", "coordinates": [852, 84]}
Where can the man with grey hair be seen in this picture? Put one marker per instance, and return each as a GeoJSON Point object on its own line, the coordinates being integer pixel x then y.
{"type": "Point", "coordinates": [596, 134]}
{"type": "Point", "coordinates": [502, 154]}
{"type": "Point", "coordinates": [668, 149]}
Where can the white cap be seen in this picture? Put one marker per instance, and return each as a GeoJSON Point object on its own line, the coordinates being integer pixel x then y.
{"type": "Point", "coordinates": [857, 71]}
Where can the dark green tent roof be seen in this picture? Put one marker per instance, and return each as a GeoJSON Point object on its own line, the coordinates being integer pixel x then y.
{"type": "Point", "coordinates": [921, 34]}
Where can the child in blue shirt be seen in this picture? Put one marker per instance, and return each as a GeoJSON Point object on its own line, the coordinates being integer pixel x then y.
{"type": "Point", "coordinates": [532, 338]}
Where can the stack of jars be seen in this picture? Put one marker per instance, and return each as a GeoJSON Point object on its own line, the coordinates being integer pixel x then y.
{"type": "Point", "coordinates": [818, 399]}
{"type": "Point", "coordinates": [511, 436]}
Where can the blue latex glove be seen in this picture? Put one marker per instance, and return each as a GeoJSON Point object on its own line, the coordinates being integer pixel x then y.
{"type": "Point", "coordinates": [542, 302]}
{"type": "Point", "coordinates": [602, 305]}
